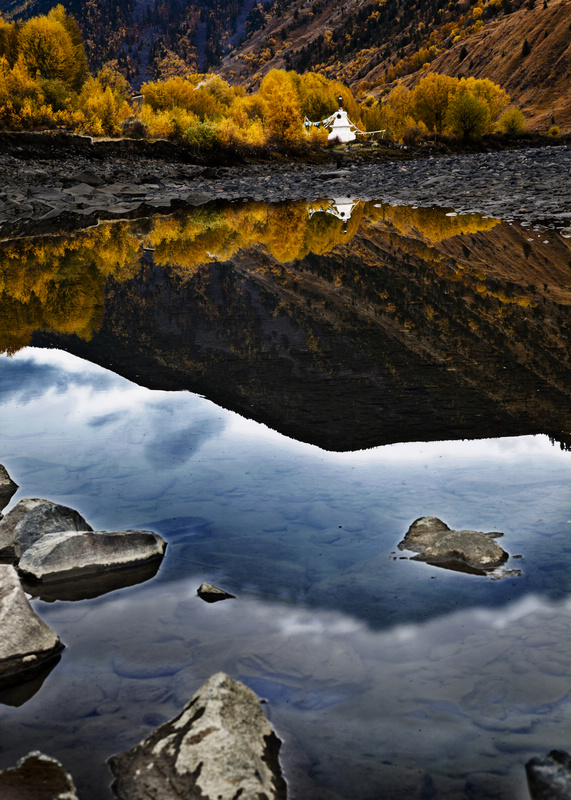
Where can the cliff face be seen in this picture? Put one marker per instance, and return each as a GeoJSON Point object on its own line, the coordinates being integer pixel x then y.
{"type": "Point", "coordinates": [386, 338]}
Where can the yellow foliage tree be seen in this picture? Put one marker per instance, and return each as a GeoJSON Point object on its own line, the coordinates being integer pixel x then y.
{"type": "Point", "coordinates": [48, 50]}
{"type": "Point", "coordinates": [398, 107]}
{"type": "Point", "coordinates": [485, 91]}
{"type": "Point", "coordinates": [283, 116]}
{"type": "Point", "coordinates": [430, 100]}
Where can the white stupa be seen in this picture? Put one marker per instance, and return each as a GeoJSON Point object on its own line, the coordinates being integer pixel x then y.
{"type": "Point", "coordinates": [341, 128]}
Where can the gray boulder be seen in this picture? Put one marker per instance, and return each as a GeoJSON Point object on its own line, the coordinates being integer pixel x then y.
{"type": "Point", "coordinates": [37, 777]}
{"type": "Point", "coordinates": [30, 519]}
{"type": "Point", "coordinates": [45, 518]}
{"type": "Point", "coordinates": [422, 533]}
{"type": "Point", "coordinates": [435, 543]}
{"type": "Point", "coordinates": [9, 522]}
{"type": "Point", "coordinates": [549, 778]}
{"type": "Point", "coordinates": [212, 594]}
{"type": "Point", "coordinates": [59, 556]}
{"type": "Point", "coordinates": [27, 643]}
{"type": "Point", "coordinates": [220, 747]}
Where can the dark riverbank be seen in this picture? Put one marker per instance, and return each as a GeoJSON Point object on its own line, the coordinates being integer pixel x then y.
{"type": "Point", "coordinates": [53, 182]}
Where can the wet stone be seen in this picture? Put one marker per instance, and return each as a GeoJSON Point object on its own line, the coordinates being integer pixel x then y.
{"type": "Point", "coordinates": [212, 594]}
{"type": "Point", "coordinates": [220, 746]}
{"type": "Point", "coordinates": [465, 550]}
{"type": "Point", "coordinates": [37, 777]}
{"type": "Point", "coordinates": [27, 643]}
{"type": "Point", "coordinates": [549, 778]}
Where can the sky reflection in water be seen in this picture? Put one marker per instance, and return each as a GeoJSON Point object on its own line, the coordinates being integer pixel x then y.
{"type": "Point", "coordinates": [375, 668]}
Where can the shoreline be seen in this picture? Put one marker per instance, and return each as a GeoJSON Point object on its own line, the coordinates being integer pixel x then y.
{"type": "Point", "coordinates": [71, 188]}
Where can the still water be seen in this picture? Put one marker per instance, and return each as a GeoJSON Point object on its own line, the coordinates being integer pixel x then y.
{"type": "Point", "coordinates": [280, 392]}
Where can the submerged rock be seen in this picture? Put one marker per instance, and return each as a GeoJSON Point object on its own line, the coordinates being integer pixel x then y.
{"type": "Point", "coordinates": [27, 643]}
{"type": "Point", "coordinates": [31, 519]}
{"type": "Point", "coordinates": [220, 747]}
{"type": "Point", "coordinates": [549, 778]}
{"type": "Point", "coordinates": [435, 543]}
{"type": "Point", "coordinates": [212, 594]}
{"type": "Point", "coordinates": [37, 777]}
{"type": "Point", "coordinates": [59, 556]}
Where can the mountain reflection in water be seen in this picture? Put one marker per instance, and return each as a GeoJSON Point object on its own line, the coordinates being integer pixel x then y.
{"type": "Point", "coordinates": [385, 677]}
{"type": "Point", "coordinates": [410, 325]}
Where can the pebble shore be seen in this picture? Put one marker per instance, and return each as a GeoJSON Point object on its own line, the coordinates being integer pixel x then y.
{"type": "Point", "coordinates": [39, 194]}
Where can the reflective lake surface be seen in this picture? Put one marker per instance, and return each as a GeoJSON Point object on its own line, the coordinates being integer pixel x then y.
{"type": "Point", "coordinates": [279, 392]}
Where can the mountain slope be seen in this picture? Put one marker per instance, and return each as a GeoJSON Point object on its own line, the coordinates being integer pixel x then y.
{"type": "Point", "coordinates": [366, 43]}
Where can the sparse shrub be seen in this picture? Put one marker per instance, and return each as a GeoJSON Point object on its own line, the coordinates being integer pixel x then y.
{"type": "Point", "coordinates": [413, 133]}
{"type": "Point", "coordinates": [133, 127]}
{"type": "Point", "coordinates": [512, 121]}
{"type": "Point", "coordinates": [554, 132]}
{"type": "Point", "coordinates": [202, 136]}
{"type": "Point", "coordinates": [525, 48]}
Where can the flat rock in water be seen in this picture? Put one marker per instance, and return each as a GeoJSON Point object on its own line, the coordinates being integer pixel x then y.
{"type": "Point", "coordinates": [435, 543]}
{"type": "Point", "coordinates": [37, 777]}
{"type": "Point", "coordinates": [549, 778]}
{"type": "Point", "coordinates": [44, 518]}
{"type": "Point", "coordinates": [59, 556]}
{"type": "Point", "coordinates": [212, 594]}
{"type": "Point", "coordinates": [220, 747]}
{"type": "Point", "coordinates": [27, 643]}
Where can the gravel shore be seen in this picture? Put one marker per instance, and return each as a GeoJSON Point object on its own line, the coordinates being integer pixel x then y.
{"type": "Point", "coordinates": [39, 194]}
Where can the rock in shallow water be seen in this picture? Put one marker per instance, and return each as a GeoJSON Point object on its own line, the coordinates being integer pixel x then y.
{"type": "Point", "coordinates": [45, 518]}
{"type": "Point", "coordinates": [31, 519]}
{"type": "Point", "coordinates": [212, 594]}
{"type": "Point", "coordinates": [59, 556]}
{"type": "Point", "coordinates": [27, 643]}
{"type": "Point", "coordinates": [549, 778]}
{"type": "Point", "coordinates": [435, 543]}
{"type": "Point", "coordinates": [37, 777]}
{"type": "Point", "coordinates": [220, 747]}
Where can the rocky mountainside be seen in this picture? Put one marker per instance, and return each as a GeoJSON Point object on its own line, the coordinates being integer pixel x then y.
{"type": "Point", "coordinates": [368, 44]}
{"type": "Point", "coordinates": [526, 49]}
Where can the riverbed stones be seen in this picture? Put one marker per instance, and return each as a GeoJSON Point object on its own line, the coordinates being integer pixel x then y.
{"type": "Point", "coordinates": [435, 543]}
{"type": "Point", "coordinates": [64, 555]}
{"type": "Point", "coordinates": [549, 778]}
{"type": "Point", "coordinates": [524, 184]}
{"type": "Point", "coordinates": [212, 594]}
{"type": "Point", "coordinates": [37, 777]}
{"type": "Point", "coordinates": [27, 643]}
{"type": "Point", "coordinates": [220, 747]}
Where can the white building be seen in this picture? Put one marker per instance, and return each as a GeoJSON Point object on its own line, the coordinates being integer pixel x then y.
{"type": "Point", "coordinates": [341, 128]}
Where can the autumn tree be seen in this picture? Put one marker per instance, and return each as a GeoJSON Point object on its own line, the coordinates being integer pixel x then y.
{"type": "Point", "coordinates": [283, 116]}
{"type": "Point", "coordinates": [487, 92]}
{"type": "Point", "coordinates": [48, 49]}
{"type": "Point", "coordinates": [398, 108]}
{"type": "Point", "coordinates": [430, 100]}
{"type": "Point", "coordinates": [468, 117]}
{"type": "Point", "coordinates": [8, 41]}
